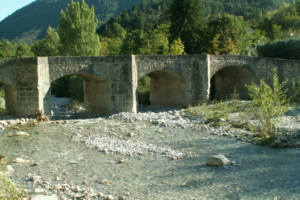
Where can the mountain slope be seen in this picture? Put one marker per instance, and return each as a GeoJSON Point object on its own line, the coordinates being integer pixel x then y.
{"type": "Point", "coordinates": [31, 22]}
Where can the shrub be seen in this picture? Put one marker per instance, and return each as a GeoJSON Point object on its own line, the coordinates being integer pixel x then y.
{"type": "Point", "coordinates": [268, 103]}
{"type": "Point", "coordinates": [8, 190]}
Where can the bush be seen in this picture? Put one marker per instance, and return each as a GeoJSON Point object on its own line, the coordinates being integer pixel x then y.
{"type": "Point", "coordinates": [8, 190]}
{"type": "Point", "coordinates": [268, 103]}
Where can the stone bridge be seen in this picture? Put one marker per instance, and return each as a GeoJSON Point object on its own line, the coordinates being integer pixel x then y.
{"type": "Point", "coordinates": [110, 82]}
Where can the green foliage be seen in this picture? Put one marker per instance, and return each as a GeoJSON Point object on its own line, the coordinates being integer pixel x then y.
{"type": "Point", "coordinates": [31, 22]}
{"type": "Point", "coordinates": [228, 34]}
{"type": "Point", "coordinates": [177, 47]}
{"type": "Point", "coordinates": [286, 48]}
{"type": "Point", "coordinates": [48, 46]}
{"type": "Point", "coordinates": [77, 30]}
{"type": "Point", "coordinates": [268, 103]}
{"type": "Point", "coordinates": [23, 50]}
{"type": "Point", "coordinates": [187, 23]}
{"type": "Point", "coordinates": [8, 190]}
{"type": "Point", "coordinates": [281, 23]}
{"type": "Point", "coordinates": [14, 50]}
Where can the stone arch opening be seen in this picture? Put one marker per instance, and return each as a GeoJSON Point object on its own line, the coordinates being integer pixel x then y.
{"type": "Point", "coordinates": [8, 101]}
{"type": "Point", "coordinates": [167, 88]}
{"type": "Point", "coordinates": [90, 90]}
{"type": "Point", "coordinates": [226, 80]}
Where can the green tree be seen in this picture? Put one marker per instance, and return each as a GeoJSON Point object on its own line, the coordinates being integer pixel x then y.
{"type": "Point", "coordinates": [228, 34]}
{"type": "Point", "coordinates": [77, 30]}
{"type": "Point", "coordinates": [187, 23]}
{"type": "Point", "coordinates": [177, 47]}
{"type": "Point", "coordinates": [48, 46]}
{"type": "Point", "coordinates": [23, 50]}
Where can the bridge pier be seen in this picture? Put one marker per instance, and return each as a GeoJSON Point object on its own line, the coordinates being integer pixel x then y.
{"type": "Point", "coordinates": [96, 96]}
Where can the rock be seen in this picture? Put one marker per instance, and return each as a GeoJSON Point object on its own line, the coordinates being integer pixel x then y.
{"type": "Point", "coordinates": [9, 169]}
{"type": "Point", "coordinates": [105, 182]}
{"type": "Point", "coordinates": [109, 197]}
{"type": "Point", "coordinates": [38, 190]}
{"type": "Point", "coordinates": [35, 178]}
{"type": "Point", "coordinates": [217, 160]}
{"type": "Point", "coordinates": [131, 134]}
{"type": "Point", "coordinates": [100, 194]}
{"type": "Point", "coordinates": [20, 160]}
{"type": "Point", "coordinates": [23, 134]}
{"type": "Point", "coordinates": [43, 197]}
{"type": "Point", "coordinates": [58, 187]}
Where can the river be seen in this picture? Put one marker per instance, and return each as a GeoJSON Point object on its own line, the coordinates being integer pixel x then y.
{"type": "Point", "coordinates": [180, 172]}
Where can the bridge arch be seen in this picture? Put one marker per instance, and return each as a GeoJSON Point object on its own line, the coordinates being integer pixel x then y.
{"type": "Point", "coordinates": [227, 77]}
{"type": "Point", "coordinates": [95, 90]}
{"type": "Point", "coordinates": [10, 97]}
{"type": "Point", "coordinates": [167, 88]}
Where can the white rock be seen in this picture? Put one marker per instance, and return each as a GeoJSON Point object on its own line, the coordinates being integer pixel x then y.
{"type": "Point", "coordinates": [109, 197]}
{"type": "Point", "coordinates": [9, 169]}
{"type": "Point", "coordinates": [38, 190]}
{"type": "Point", "coordinates": [131, 134]}
{"type": "Point", "coordinates": [20, 160]}
{"type": "Point", "coordinates": [100, 194]}
{"type": "Point", "coordinates": [42, 197]}
{"type": "Point", "coordinates": [217, 160]}
{"type": "Point", "coordinates": [58, 187]}
{"type": "Point", "coordinates": [22, 133]}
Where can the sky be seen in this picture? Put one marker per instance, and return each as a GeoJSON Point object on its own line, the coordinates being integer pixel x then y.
{"type": "Point", "coordinates": [8, 7]}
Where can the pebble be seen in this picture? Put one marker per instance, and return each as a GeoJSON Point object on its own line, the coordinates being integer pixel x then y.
{"type": "Point", "coordinates": [39, 190]}
{"type": "Point", "coordinates": [23, 134]}
{"type": "Point", "coordinates": [20, 160]}
{"type": "Point", "coordinates": [109, 197]}
{"type": "Point", "coordinates": [9, 169]}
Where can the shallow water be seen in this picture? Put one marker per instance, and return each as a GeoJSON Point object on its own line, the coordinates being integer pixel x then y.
{"type": "Point", "coordinates": [260, 173]}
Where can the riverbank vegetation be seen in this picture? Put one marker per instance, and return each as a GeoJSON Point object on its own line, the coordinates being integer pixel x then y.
{"type": "Point", "coordinates": [8, 190]}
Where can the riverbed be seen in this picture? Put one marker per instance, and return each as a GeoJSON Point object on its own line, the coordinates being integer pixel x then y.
{"type": "Point", "coordinates": [96, 156]}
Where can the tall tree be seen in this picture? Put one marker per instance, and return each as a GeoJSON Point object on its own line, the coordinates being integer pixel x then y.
{"type": "Point", "coordinates": [77, 30]}
{"type": "Point", "coordinates": [228, 34]}
{"type": "Point", "coordinates": [187, 23]}
{"type": "Point", "coordinates": [48, 46]}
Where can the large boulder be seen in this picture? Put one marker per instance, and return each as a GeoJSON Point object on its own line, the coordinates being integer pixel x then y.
{"type": "Point", "coordinates": [217, 160]}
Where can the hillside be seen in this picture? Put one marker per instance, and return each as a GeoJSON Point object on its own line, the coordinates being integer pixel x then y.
{"type": "Point", "coordinates": [30, 22]}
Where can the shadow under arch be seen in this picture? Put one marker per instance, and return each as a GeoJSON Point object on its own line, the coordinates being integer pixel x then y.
{"type": "Point", "coordinates": [230, 78]}
{"type": "Point", "coordinates": [10, 97]}
{"type": "Point", "coordinates": [167, 88]}
{"type": "Point", "coordinates": [95, 90]}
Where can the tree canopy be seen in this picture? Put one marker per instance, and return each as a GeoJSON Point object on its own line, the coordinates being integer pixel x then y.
{"type": "Point", "coordinates": [77, 30]}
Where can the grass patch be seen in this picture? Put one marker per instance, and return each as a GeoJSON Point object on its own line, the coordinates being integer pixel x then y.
{"type": "Point", "coordinates": [8, 190]}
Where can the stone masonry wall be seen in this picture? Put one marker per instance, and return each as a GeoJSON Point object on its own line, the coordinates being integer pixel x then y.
{"type": "Point", "coordinates": [111, 81]}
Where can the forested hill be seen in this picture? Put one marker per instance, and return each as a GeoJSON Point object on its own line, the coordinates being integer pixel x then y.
{"type": "Point", "coordinates": [30, 22]}
{"type": "Point", "coordinates": [250, 9]}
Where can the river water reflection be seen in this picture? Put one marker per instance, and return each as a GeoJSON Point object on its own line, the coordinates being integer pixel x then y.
{"type": "Point", "coordinates": [260, 173]}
